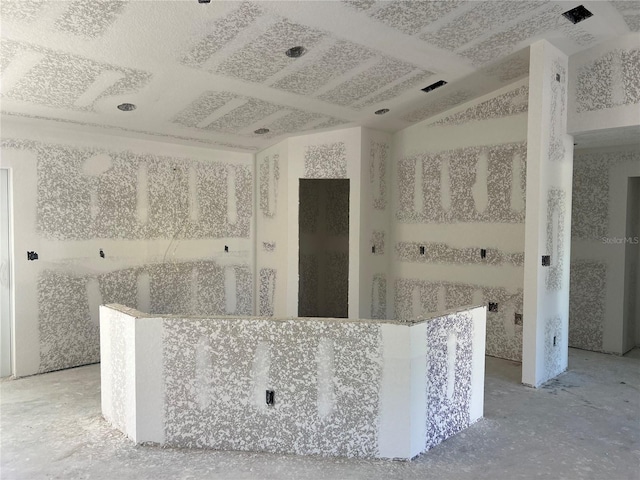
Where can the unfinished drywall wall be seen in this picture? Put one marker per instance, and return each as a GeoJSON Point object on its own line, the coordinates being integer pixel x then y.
{"type": "Point", "coordinates": [361, 388]}
{"type": "Point", "coordinates": [272, 222]}
{"type": "Point", "coordinates": [375, 223]}
{"type": "Point", "coordinates": [548, 210]}
{"type": "Point", "coordinates": [599, 242]}
{"type": "Point", "coordinates": [603, 93]}
{"type": "Point", "coordinates": [457, 227]}
{"type": "Point", "coordinates": [164, 228]}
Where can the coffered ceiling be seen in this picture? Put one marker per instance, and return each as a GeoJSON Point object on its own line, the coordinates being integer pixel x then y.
{"type": "Point", "coordinates": [214, 73]}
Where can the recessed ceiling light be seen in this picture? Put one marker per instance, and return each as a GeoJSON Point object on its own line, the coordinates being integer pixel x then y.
{"type": "Point", "coordinates": [126, 107]}
{"type": "Point", "coordinates": [433, 86]}
{"type": "Point", "coordinates": [578, 14]}
{"type": "Point", "coordinates": [382, 111]}
{"type": "Point", "coordinates": [295, 52]}
{"type": "Point", "coordinates": [261, 131]}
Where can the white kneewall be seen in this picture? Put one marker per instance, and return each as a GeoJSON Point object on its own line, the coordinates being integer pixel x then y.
{"type": "Point", "coordinates": [476, 407]}
{"type": "Point", "coordinates": [149, 381]}
{"type": "Point", "coordinates": [394, 429]}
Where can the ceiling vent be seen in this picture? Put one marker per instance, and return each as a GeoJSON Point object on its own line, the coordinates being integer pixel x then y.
{"type": "Point", "coordinates": [204, 1]}
{"type": "Point", "coordinates": [433, 86]}
{"type": "Point", "coordinates": [382, 111]}
{"type": "Point", "coordinates": [578, 14]}
{"type": "Point", "coordinates": [261, 131]}
{"type": "Point", "coordinates": [295, 52]}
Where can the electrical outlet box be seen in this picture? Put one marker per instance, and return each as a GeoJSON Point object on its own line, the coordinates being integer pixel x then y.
{"type": "Point", "coordinates": [421, 249]}
{"type": "Point", "coordinates": [32, 256]}
{"type": "Point", "coordinates": [554, 340]}
{"type": "Point", "coordinates": [483, 253]}
{"type": "Point", "coordinates": [270, 397]}
{"type": "Point", "coordinates": [546, 260]}
{"type": "Point", "coordinates": [373, 249]}
{"type": "Point", "coordinates": [493, 307]}
{"type": "Point", "coordinates": [101, 253]}
{"type": "Point", "coordinates": [518, 319]}
{"type": "Point", "coordinates": [226, 248]}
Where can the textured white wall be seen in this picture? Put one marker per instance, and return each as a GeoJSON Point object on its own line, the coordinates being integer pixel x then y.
{"type": "Point", "coordinates": [67, 208]}
{"type": "Point", "coordinates": [598, 247]}
{"type": "Point", "coordinates": [375, 217]}
{"type": "Point", "coordinates": [479, 146]}
{"type": "Point", "coordinates": [603, 92]}
{"type": "Point", "coordinates": [362, 389]}
{"type": "Point", "coordinates": [548, 218]}
{"type": "Point", "coordinates": [272, 224]}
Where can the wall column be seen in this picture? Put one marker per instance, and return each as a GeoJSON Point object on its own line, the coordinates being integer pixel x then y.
{"type": "Point", "coordinates": [548, 218]}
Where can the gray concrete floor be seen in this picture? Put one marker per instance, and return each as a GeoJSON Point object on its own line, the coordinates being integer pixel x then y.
{"type": "Point", "coordinates": [584, 424]}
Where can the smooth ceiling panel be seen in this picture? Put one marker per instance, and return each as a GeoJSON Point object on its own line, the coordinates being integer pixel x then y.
{"type": "Point", "coordinates": [223, 31]}
{"type": "Point", "coordinates": [378, 76]}
{"type": "Point", "coordinates": [264, 57]}
{"type": "Point", "coordinates": [60, 79]}
{"type": "Point", "coordinates": [90, 19]}
{"type": "Point", "coordinates": [416, 81]}
{"type": "Point", "coordinates": [339, 59]}
{"type": "Point", "coordinates": [506, 41]}
{"type": "Point", "coordinates": [21, 10]}
{"type": "Point", "coordinates": [411, 16]}
{"type": "Point", "coordinates": [475, 23]}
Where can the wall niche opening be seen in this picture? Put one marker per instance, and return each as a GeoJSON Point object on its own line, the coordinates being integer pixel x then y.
{"type": "Point", "coordinates": [323, 262]}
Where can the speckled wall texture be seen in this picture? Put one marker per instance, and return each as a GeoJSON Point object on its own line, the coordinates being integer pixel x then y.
{"type": "Point", "coordinates": [610, 81]}
{"type": "Point", "coordinates": [464, 203]}
{"type": "Point", "coordinates": [593, 218]}
{"type": "Point", "coordinates": [326, 161]}
{"type": "Point", "coordinates": [552, 347]}
{"type": "Point", "coordinates": [93, 193]}
{"type": "Point", "coordinates": [587, 304]}
{"type": "Point", "coordinates": [448, 392]}
{"type": "Point", "coordinates": [590, 204]}
{"type": "Point", "coordinates": [422, 298]}
{"type": "Point", "coordinates": [69, 330]}
{"type": "Point", "coordinates": [558, 112]}
{"type": "Point", "coordinates": [86, 194]}
{"type": "Point", "coordinates": [511, 103]}
{"type": "Point", "coordinates": [378, 158]}
{"type": "Point", "coordinates": [556, 201]}
{"type": "Point", "coordinates": [216, 398]}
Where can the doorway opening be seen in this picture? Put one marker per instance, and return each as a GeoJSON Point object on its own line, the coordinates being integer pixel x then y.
{"type": "Point", "coordinates": [5, 277]}
{"type": "Point", "coordinates": [323, 262]}
{"type": "Point", "coordinates": [631, 325]}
